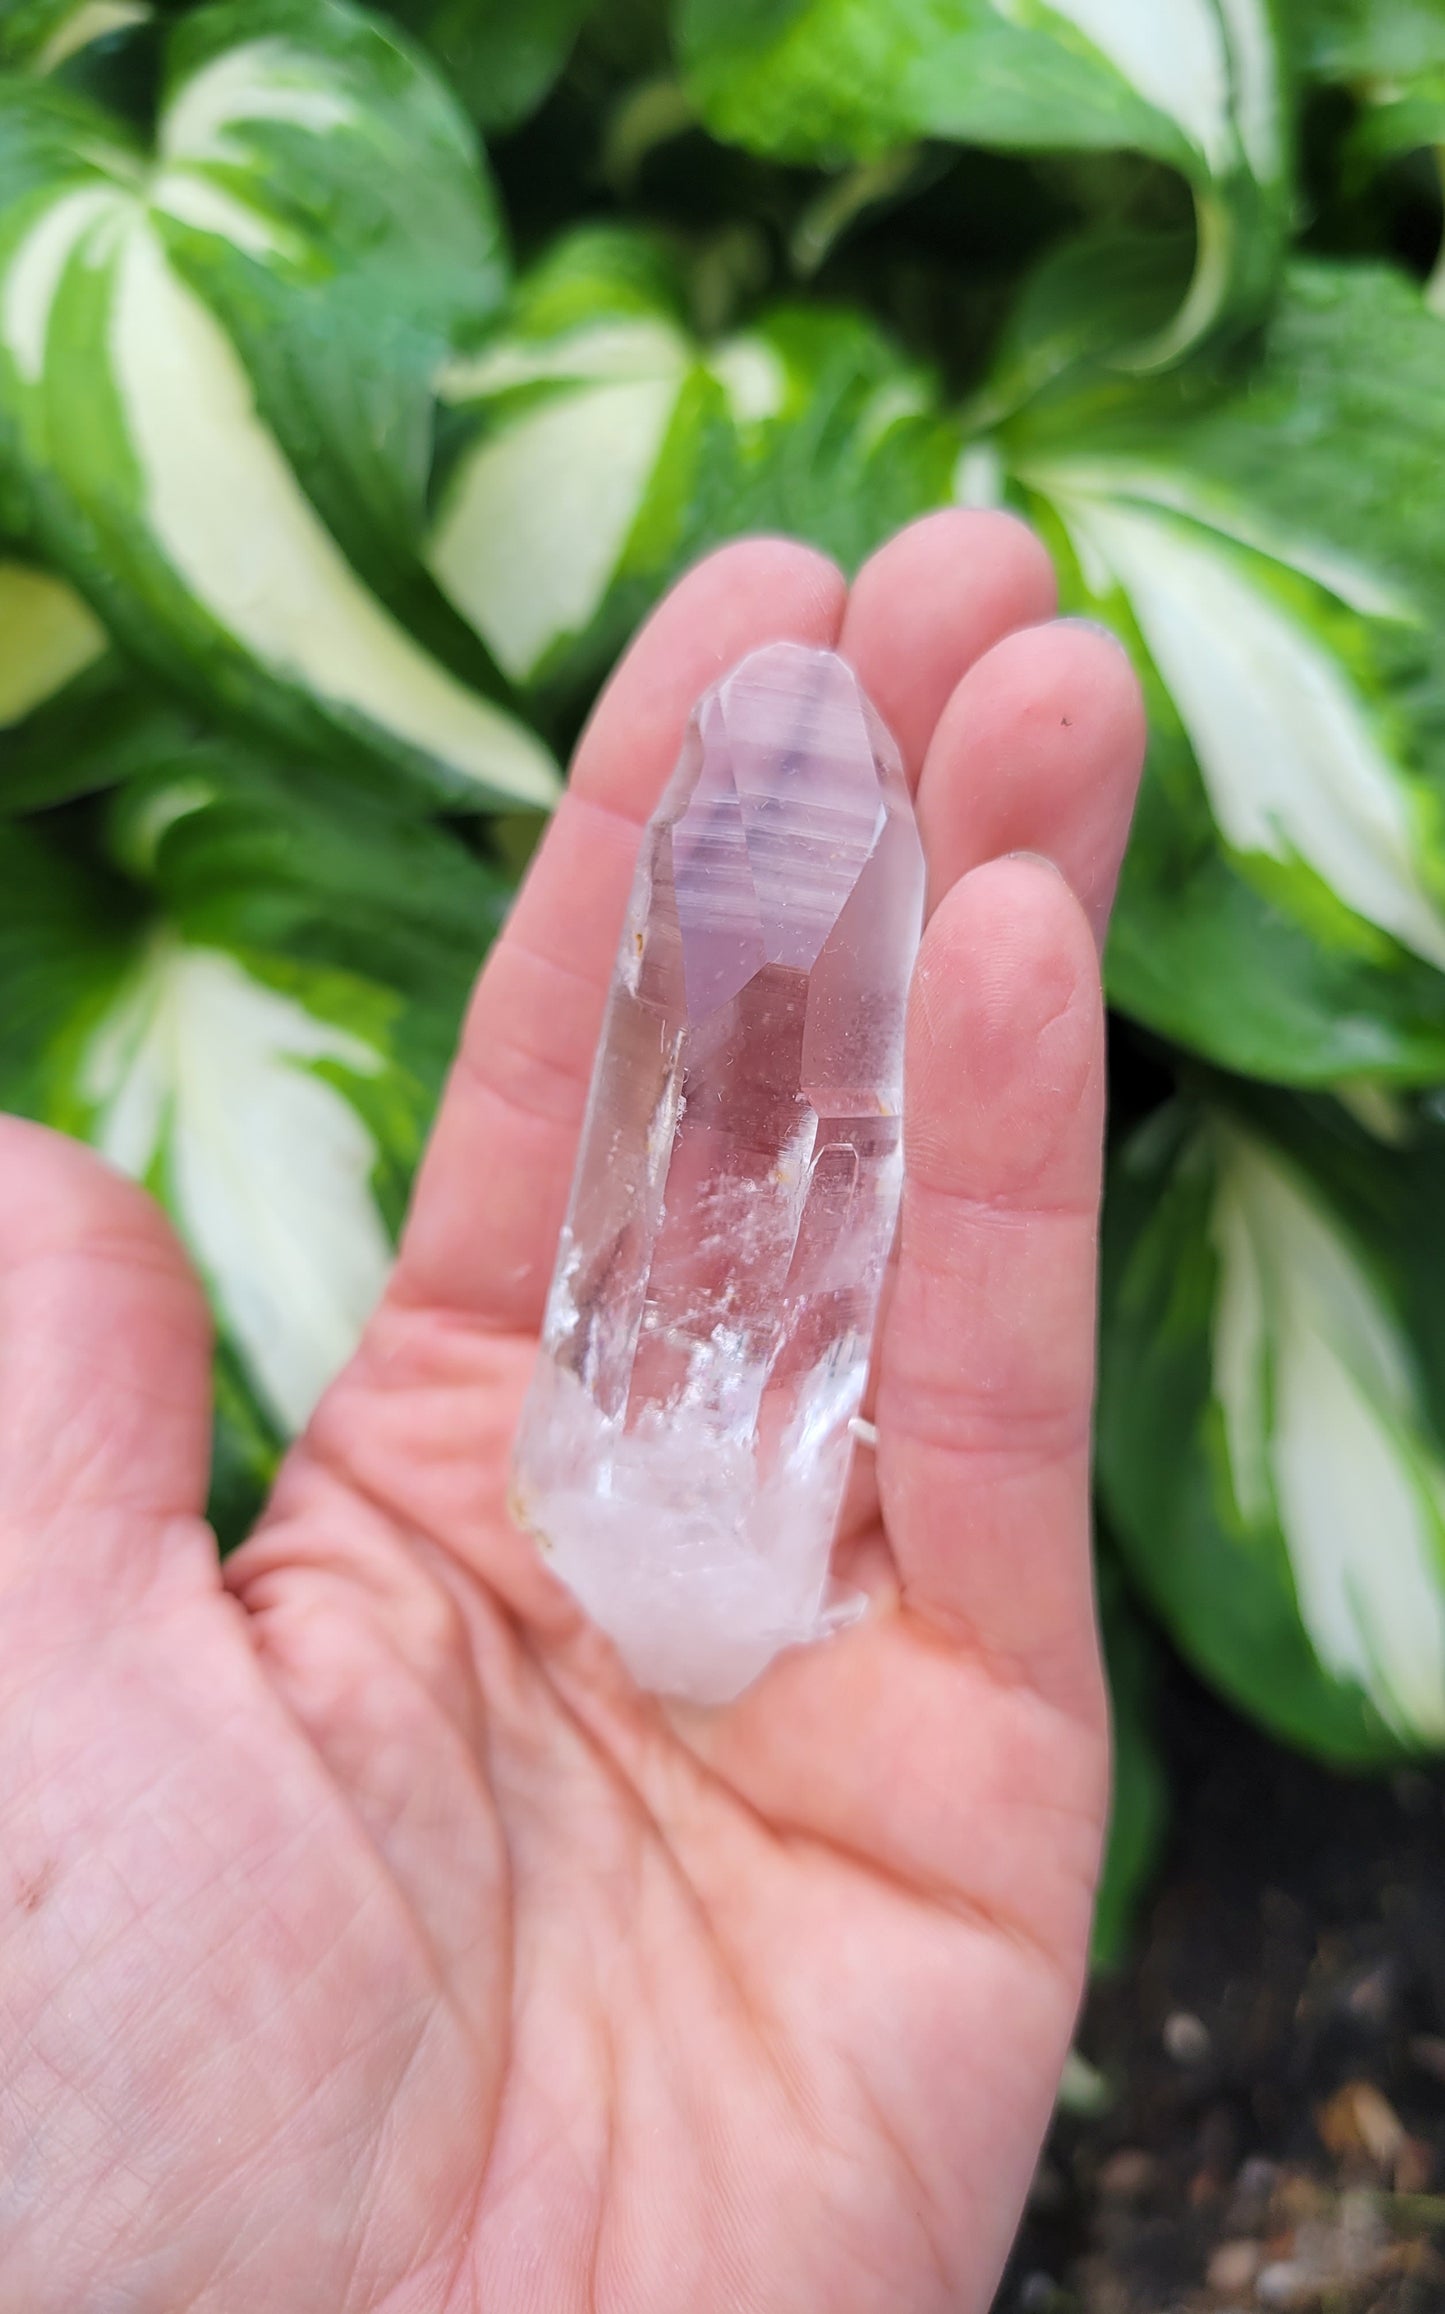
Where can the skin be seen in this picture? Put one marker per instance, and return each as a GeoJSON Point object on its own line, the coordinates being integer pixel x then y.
{"type": "Point", "coordinates": [367, 1941]}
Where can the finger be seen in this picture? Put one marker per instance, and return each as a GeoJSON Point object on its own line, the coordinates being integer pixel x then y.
{"type": "Point", "coordinates": [932, 601]}
{"type": "Point", "coordinates": [490, 1198]}
{"type": "Point", "coordinates": [104, 1377]}
{"type": "Point", "coordinates": [1039, 748]}
{"type": "Point", "coordinates": [986, 1372]}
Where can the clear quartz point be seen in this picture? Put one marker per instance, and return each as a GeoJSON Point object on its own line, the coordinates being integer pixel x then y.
{"type": "Point", "coordinates": [685, 1443]}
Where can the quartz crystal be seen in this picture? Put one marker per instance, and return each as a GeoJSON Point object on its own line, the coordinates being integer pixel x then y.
{"type": "Point", "coordinates": [685, 1444]}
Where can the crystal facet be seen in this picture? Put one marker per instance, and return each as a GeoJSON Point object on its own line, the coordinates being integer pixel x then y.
{"type": "Point", "coordinates": [685, 1443]}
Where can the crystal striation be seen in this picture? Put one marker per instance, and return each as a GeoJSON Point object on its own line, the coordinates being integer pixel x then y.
{"type": "Point", "coordinates": [685, 1443]}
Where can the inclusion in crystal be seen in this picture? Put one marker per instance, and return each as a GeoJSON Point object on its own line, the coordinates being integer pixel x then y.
{"type": "Point", "coordinates": [685, 1443]}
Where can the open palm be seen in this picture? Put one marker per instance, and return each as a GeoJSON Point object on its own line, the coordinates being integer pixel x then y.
{"type": "Point", "coordinates": [366, 1940]}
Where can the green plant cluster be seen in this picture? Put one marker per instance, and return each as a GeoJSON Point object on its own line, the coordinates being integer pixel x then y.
{"type": "Point", "coordinates": [366, 375]}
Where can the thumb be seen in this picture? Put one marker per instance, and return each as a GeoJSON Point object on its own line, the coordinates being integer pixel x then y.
{"type": "Point", "coordinates": [104, 1379]}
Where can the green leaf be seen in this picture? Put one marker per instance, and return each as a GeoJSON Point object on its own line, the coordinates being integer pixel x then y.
{"type": "Point", "coordinates": [65, 936]}
{"type": "Point", "coordinates": [1405, 119]}
{"type": "Point", "coordinates": [1139, 1801]}
{"type": "Point", "coordinates": [43, 35]}
{"type": "Point", "coordinates": [73, 718]}
{"type": "Point", "coordinates": [601, 446]}
{"type": "Point", "coordinates": [290, 861]}
{"type": "Point", "coordinates": [1391, 55]}
{"type": "Point", "coordinates": [48, 637]}
{"type": "Point", "coordinates": [1189, 83]}
{"type": "Point", "coordinates": [1274, 555]}
{"type": "Point", "coordinates": [246, 1448]}
{"type": "Point", "coordinates": [501, 56]}
{"type": "Point", "coordinates": [342, 224]}
{"type": "Point", "coordinates": [239, 1092]}
{"type": "Point", "coordinates": [1368, 42]}
{"type": "Point", "coordinates": [186, 389]}
{"type": "Point", "coordinates": [843, 439]}
{"type": "Point", "coordinates": [99, 729]}
{"type": "Point", "coordinates": [587, 430]}
{"type": "Point", "coordinates": [1087, 298]}
{"type": "Point", "coordinates": [1270, 1442]}
{"type": "Point", "coordinates": [248, 1001]}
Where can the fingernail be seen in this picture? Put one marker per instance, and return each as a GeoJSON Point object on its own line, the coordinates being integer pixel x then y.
{"type": "Point", "coordinates": [1098, 917]}
{"type": "Point", "coordinates": [1096, 627]}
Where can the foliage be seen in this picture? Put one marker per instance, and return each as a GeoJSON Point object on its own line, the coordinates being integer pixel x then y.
{"type": "Point", "coordinates": [1139, 1802]}
{"type": "Point", "coordinates": [339, 455]}
{"type": "Point", "coordinates": [1272, 1404]}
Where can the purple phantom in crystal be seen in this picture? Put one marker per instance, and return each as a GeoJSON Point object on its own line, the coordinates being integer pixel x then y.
{"type": "Point", "coordinates": [685, 1443]}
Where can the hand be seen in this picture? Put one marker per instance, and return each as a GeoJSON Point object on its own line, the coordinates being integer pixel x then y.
{"type": "Point", "coordinates": [366, 1940]}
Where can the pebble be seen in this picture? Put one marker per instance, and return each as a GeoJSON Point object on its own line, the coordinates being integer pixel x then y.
{"type": "Point", "coordinates": [1233, 2267]}
{"type": "Point", "coordinates": [1331, 2261]}
{"type": "Point", "coordinates": [1038, 2294]}
{"type": "Point", "coordinates": [1083, 2091]}
{"type": "Point", "coordinates": [1285, 2283]}
{"type": "Point", "coordinates": [1359, 2118]}
{"type": "Point", "coordinates": [1128, 2174]}
{"type": "Point", "coordinates": [1372, 1996]}
{"type": "Point", "coordinates": [1253, 2190]}
{"type": "Point", "coordinates": [1186, 2038]}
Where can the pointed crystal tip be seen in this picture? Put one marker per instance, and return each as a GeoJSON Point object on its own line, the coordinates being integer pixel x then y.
{"type": "Point", "coordinates": [771, 836]}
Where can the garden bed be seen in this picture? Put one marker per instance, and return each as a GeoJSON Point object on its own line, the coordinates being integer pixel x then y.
{"type": "Point", "coordinates": [1267, 2075]}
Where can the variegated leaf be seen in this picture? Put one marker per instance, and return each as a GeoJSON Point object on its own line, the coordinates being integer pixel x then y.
{"type": "Point", "coordinates": [1270, 1438]}
{"type": "Point", "coordinates": [1275, 557]}
{"type": "Point", "coordinates": [43, 35]}
{"type": "Point", "coordinates": [141, 410]}
{"type": "Point", "coordinates": [248, 1000]}
{"type": "Point", "coordinates": [48, 636]}
{"type": "Point", "coordinates": [602, 445]}
{"type": "Point", "coordinates": [1193, 84]}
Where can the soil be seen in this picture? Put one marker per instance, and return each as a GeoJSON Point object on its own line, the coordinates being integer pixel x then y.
{"type": "Point", "coordinates": [1258, 2121]}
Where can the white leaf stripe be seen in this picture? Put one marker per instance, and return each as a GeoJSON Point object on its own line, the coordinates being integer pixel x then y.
{"type": "Point", "coordinates": [753, 375]}
{"type": "Point", "coordinates": [1129, 482]}
{"type": "Point", "coordinates": [1322, 1424]}
{"type": "Point", "coordinates": [217, 507]}
{"type": "Point", "coordinates": [1174, 56]}
{"type": "Point", "coordinates": [92, 20]}
{"type": "Point", "coordinates": [538, 516]}
{"type": "Point", "coordinates": [231, 519]}
{"type": "Point", "coordinates": [223, 507]}
{"type": "Point", "coordinates": [1258, 98]}
{"type": "Point", "coordinates": [195, 201]}
{"type": "Point", "coordinates": [599, 353]}
{"type": "Point", "coordinates": [201, 1069]}
{"type": "Point", "coordinates": [47, 637]}
{"type": "Point", "coordinates": [1285, 744]}
{"type": "Point", "coordinates": [259, 81]}
{"type": "Point", "coordinates": [37, 268]}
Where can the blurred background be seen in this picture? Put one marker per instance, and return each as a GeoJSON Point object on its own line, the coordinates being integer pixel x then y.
{"type": "Point", "coordinates": [366, 376]}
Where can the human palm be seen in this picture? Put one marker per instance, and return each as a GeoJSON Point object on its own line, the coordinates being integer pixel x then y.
{"type": "Point", "coordinates": [366, 1940]}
